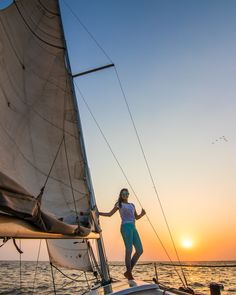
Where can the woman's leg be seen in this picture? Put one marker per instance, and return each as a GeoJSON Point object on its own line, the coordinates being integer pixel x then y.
{"type": "Point", "coordinates": [127, 234]}
{"type": "Point", "coordinates": [138, 248]}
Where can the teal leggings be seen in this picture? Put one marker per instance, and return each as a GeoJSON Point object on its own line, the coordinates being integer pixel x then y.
{"type": "Point", "coordinates": [131, 238]}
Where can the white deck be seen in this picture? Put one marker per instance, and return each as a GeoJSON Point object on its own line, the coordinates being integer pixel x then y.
{"type": "Point", "coordinates": [132, 287]}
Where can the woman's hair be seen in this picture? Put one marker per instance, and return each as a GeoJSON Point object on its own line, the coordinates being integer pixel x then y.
{"type": "Point", "coordinates": [120, 199]}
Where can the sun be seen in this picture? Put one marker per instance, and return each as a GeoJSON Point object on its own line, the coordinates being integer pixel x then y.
{"type": "Point", "coordinates": [187, 243]}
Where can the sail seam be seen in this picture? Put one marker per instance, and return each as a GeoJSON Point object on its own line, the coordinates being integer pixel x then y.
{"type": "Point", "coordinates": [49, 11]}
{"type": "Point", "coordinates": [37, 36]}
{"type": "Point", "coordinates": [37, 24]}
{"type": "Point", "coordinates": [35, 167]}
{"type": "Point", "coordinates": [11, 45]}
{"type": "Point", "coordinates": [31, 107]}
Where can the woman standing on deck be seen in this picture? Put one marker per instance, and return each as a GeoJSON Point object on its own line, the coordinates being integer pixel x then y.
{"type": "Point", "coordinates": [128, 230]}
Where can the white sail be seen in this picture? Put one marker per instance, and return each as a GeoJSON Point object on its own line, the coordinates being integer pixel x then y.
{"type": "Point", "coordinates": [38, 120]}
{"type": "Point", "coordinates": [71, 254]}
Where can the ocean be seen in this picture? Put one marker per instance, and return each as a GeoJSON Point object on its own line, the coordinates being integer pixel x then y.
{"type": "Point", "coordinates": [31, 278]}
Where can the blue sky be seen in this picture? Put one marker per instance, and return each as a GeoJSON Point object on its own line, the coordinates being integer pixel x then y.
{"type": "Point", "coordinates": [176, 60]}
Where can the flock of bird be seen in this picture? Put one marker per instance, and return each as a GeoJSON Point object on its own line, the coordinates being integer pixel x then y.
{"type": "Point", "coordinates": [221, 139]}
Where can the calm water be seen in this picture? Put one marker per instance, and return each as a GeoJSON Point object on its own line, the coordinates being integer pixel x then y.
{"type": "Point", "coordinates": [30, 282]}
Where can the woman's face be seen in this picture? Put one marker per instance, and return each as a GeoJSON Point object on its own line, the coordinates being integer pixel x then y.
{"type": "Point", "coordinates": [125, 194]}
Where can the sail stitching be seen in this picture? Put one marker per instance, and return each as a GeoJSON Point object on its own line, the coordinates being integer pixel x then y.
{"type": "Point", "coordinates": [13, 48]}
{"type": "Point", "coordinates": [46, 9]}
{"type": "Point", "coordinates": [35, 167]}
{"type": "Point", "coordinates": [30, 105]}
{"type": "Point", "coordinates": [29, 14]}
{"type": "Point", "coordinates": [37, 36]}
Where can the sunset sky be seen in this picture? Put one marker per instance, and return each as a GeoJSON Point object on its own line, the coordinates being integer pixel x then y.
{"type": "Point", "coordinates": [177, 64]}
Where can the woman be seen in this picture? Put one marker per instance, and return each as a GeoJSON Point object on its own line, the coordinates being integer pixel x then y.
{"type": "Point", "coordinates": [128, 230]}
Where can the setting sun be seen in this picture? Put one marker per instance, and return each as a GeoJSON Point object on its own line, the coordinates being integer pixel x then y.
{"type": "Point", "coordinates": [187, 243]}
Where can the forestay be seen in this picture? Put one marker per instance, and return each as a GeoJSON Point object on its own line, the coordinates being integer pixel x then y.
{"type": "Point", "coordinates": [38, 119]}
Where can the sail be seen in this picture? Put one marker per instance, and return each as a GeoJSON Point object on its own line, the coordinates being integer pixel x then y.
{"type": "Point", "coordinates": [40, 141]}
{"type": "Point", "coordinates": [70, 254]}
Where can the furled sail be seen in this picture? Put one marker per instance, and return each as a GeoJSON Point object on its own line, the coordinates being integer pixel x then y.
{"type": "Point", "coordinates": [40, 142]}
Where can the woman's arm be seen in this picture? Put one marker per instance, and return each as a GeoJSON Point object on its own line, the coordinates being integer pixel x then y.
{"type": "Point", "coordinates": [109, 214]}
{"type": "Point", "coordinates": [138, 216]}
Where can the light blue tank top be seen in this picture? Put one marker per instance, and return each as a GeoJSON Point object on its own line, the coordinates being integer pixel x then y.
{"type": "Point", "coordinates": [127, 212]}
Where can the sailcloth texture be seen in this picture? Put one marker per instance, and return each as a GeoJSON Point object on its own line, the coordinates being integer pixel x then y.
{"type": "Point", "coordinates": [41, 146]}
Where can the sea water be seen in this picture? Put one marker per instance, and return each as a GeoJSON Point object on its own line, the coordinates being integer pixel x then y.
{"type": "Point", "coordinates": [37, 278]}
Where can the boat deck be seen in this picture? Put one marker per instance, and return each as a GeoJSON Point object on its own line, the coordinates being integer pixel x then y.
{"type": "Point", "coordinates": [133, 287]}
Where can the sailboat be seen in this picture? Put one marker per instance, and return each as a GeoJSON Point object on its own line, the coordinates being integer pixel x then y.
{"type": "Point", "coordinates": [45, 185]}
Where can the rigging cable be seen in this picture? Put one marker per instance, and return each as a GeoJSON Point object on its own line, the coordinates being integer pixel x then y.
{"type": "Point", "coordinates": [20, 266]}
{"type": "Point", "coordinates": [52, 165]}
{"type": "Point", "coordinates": [68, 277]}
{"type": "Point", "coordinates": [88, 32]}
{"type": "Point", "coordinates": [126, 177]}
{"type": "Point", "coordinates": [139, 141]}
{"type": "Point", "coordinates": [36, 268]}
{"type": "Point", "coordinates": [53, 279]}
{"type": "Point", "coordinates": [149, 172]}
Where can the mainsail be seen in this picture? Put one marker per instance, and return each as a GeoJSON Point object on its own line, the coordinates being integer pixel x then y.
{"type": "Point", "coordinates": [41, 145]}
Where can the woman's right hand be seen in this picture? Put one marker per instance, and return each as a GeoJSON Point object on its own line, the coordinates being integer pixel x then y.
{"type": "Point", "coordinates": [143, 212]}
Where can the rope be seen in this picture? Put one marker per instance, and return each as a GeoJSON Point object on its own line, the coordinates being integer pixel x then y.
{"type": "Point", "coordinates": [36, 268]}
{"type": "Point", "coordinates": [88, 32]}
{"type": "Point", "coordinates": [52, 165]}
{"type": "Point", "coordinates": [149, 171]}
{"type": "Point", "coordinates": [87, 281]}
{"type": "Point", "coordinates": [125, 176]}
{"type": "Point", "coordinates": [53, 280]}
{"type": "Point", "coordinates": [68, 277]}
{"type": "Point", "coordinates": [20, 267]}
{"type": "Point", "coordinates": [6, 239]}
{"type": "Point", "coordinates": [139, 141]}
{"type": "Point", "coordinates": [93, 261]}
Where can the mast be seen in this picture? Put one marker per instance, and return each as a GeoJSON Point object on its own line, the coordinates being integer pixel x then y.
{"type": "Point", "coordinates": [100, 244]}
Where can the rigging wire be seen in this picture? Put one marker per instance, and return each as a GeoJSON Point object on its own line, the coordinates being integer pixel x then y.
{"type": "Point", "coordinates": [52, 165]}
{"type": "Point", "coordinates": [149, 171]}
{"type": "Point", "coordinates": [53, 279]}
{"type": "Point", "coordinates": [127, 179]}
{"type": "Point", "coordinates": [88, 32]}
{"type": "Point", "coordinates": [139, 142]}
{"type": "Point", "coordinates": [70, 278]}
{"type": "Point", "coordinates": [36, 268]}
{"type": "Point", "coordinates": [20, 267]}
